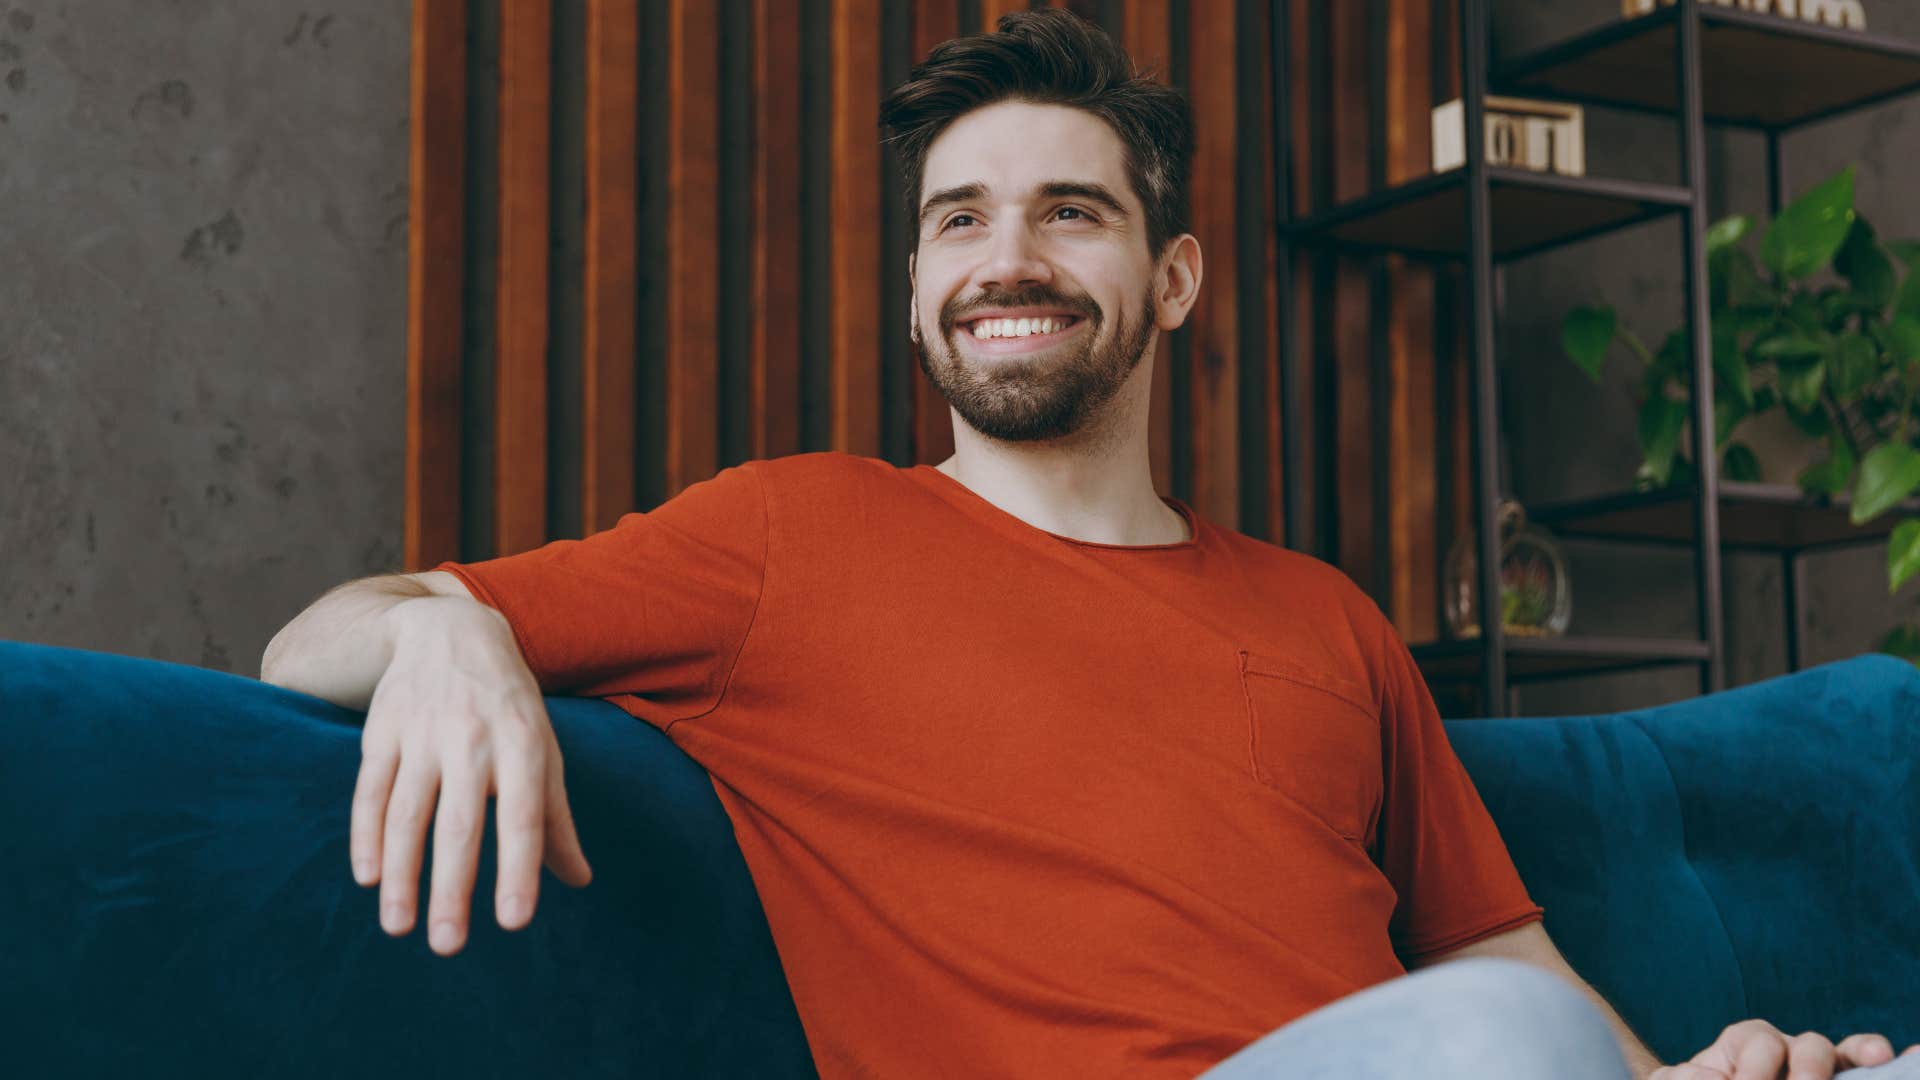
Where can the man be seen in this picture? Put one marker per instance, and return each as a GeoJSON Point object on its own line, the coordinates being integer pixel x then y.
{"type": "Point", "coordinates": [1037, 773]}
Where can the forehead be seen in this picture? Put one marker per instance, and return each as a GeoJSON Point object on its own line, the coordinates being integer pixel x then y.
{"type": "Point", "coordinates": [1013, 146]}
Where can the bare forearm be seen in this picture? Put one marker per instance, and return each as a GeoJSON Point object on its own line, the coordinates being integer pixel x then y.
{"type": "Point", "coordinates": [340, 646]}
{"type": "Point", "coordinates": [1640, 1060]}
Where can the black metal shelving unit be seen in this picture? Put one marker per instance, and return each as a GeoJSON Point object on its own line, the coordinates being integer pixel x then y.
{"type": "Point", "coordinates": [1697, 63]}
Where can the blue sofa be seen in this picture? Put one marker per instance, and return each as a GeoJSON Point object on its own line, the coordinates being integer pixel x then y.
{"type": "Point", "coordinates": [178, 900]}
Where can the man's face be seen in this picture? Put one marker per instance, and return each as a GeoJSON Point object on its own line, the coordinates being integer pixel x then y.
{"type": "Point", "coordinates": [1026, 209]}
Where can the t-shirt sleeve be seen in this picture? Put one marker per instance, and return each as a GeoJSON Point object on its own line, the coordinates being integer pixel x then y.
{"type": "Point", "coordinates": [1438, 845]}
{"type": "Point", "coordinates": [657, 606]}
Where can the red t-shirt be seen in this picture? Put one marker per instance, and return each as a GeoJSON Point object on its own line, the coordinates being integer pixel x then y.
{"type": "Point", "coordinates": [1021, 805]}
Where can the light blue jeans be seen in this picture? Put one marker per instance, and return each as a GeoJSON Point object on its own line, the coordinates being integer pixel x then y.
{"type": "Point", "coordinates": [1482, 1018]}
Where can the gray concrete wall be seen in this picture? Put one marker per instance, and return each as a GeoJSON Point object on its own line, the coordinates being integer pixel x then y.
{"type": "Point", "coordinates": [1566, 441]}
{"type": "Point", "coordinates": [202, 317]}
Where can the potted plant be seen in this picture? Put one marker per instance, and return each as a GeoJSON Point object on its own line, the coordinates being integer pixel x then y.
{"type": "Point", "coordinates": [1839, 353]}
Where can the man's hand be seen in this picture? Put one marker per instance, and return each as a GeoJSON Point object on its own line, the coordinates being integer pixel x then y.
{"type": "Point", "coordinates": [1756, 1050]}
{"type": "Point", "coordinates": [457, 717]}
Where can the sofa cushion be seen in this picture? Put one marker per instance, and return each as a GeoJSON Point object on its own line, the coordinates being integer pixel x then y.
{"type": "Point", "coordinates": [1752, 853]}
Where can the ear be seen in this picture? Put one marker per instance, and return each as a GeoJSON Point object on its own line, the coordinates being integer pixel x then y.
{"type": "Point", "coordinates": [1177, 282]}
{"type": "Point", "coordinates": [913, 298]}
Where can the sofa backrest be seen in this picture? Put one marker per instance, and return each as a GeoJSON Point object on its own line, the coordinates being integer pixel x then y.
{"type": "Point", "coordinates": [1752, 853]}
{"type": "Point", "coordinates": [180, 904]}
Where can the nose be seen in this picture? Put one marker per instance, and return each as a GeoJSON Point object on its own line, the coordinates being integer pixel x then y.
{"type": "Point", "coordinates": [1013, 260]}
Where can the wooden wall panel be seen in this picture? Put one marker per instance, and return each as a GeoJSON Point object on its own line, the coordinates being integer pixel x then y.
{"type": "Point", "coordinates": [808, 178]}
{"type": "Point", "coordinates": [436, 206]}
{"type": "Point", "coordinates": [693, 274]}
{"type": "Point", "coordinates": [1349, 84]}
{"type": "Point", "coordinates": [613, 101]}
{"type": "Point", "coordinates": [1412, 522]}
{"type": "Point", "coordinates": [1214, 320]}
{"type": "Point", "coordinates": [855, 227]}
{"type": "Point", "coordinates": [520, 438]}
{"type": "Point", "coordinates": [774, 375]}
{"type": "Point", "coordinates": [991, 10]}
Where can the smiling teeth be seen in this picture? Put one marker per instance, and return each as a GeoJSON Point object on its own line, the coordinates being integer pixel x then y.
{"type": "Point", "coordinates": [999, 328]}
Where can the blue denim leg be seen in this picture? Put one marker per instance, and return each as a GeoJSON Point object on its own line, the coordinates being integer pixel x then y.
{"type": "Point", "coordinates": [1481, 1018]}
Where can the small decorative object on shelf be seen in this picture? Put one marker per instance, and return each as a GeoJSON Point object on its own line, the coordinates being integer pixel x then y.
{"type": "Point", "coordinates": [1536, 597]}
{"type": "Point", "coordinates": [1545, 136]}
{"type": "Point", "coordinates": [1845, 14]}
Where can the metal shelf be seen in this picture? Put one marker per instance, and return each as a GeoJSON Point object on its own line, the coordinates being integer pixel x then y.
{"type": "Point", "coordinates": [1532, 659]}
{"type": "Point", "coordinates": [1768, 518]}
{"type": "Point", "coordinates": [1759, 71]}
{"type": "Point", "coordinates": [1532, 212]}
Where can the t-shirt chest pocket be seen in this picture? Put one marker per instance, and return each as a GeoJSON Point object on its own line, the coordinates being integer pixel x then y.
{"type": "Point", "coordinates": [1315, 740]}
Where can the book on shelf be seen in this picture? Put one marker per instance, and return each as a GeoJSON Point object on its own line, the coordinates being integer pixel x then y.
{"type": "Point", "coordinates": [1545, 136]}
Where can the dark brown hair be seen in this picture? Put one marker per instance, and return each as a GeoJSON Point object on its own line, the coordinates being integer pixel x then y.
{"type": "Point", "coordinates": [1051, 56]}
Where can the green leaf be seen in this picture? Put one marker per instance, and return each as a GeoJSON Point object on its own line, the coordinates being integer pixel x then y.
{"type": "Point", "coordinates": [1903, 553]}
{"type": "Point", "coordinates": [1903, 337]}
{"type": "Point", "coordinates": [1831, 476]}
{"type": "Point", "coordinates": [1812, 422]}
{"type": "Point", "coordinates": [1789, 346]}
{"type": "Point", "coordinates": [1804, 313]}
{"type": "Point", "coordinates": [1888, 474]}
{"type": "Point", "coordinates": [1863, 264]}
{"type": "Point", "coordinates": [1729, 366]}
{"type": "Point", "coordinates": [1741, 464]}
{"type": "Point", "coordinates": [1727, 232]}
{"type": "Point", "coordinates": [1856, 363]}
{"type": "Point", "coordinates": [1907, 251]}
{"type": "Point", "coordinates": [1801, 382]}
{"type": "Point", "coordinates": [1660, 421]}
{"type": "Point", "coordinates": [1809, 232]}
{"type": "Point", "coordinates": [1904, 642]}
{"type": "Point", "coordinates": [1764, 399]}
{"type": "Point", "coordinates": [1907, 300]}
{"type": "Point", "coordinates": [1585, 335]}
{"type": "Point", "coordinates": [1727, 414]}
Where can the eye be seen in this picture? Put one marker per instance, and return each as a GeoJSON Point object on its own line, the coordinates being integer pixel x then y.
{"type": "Point", "coordinates": [954, 220]}
{"type": "Point", "coordinates": [1084, 216]}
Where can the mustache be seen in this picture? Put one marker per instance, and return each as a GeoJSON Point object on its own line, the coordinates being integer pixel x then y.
{"type": "Point", "coordinates": [959, 311]}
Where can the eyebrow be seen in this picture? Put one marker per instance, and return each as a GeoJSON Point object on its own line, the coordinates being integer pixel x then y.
{"type": "Point", "coordinates": [1051, 189]}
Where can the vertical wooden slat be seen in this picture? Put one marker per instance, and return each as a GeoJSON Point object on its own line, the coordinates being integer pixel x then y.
{"type": "Point", "coordinates": [774, 377]}
{"type": "Point", "coordinates": [1213, 417]}
{"type": "Point", "coordinates": [1352, 298]}
{"type": "Point", "coordinates": [520, 442]}
{"type": "Point", "coordinates": [1302, 308]}
{"type": "Point", "coordinates": [435, 204]}
{"type": "Point", "coordinates": [934, 21]}
{"type": "Point", "coordinates": [856, 227]}
{"type": "Point", "coordinates": [991, 10]}
{"type": "Point", "coordinates": [1411, 431]}
{"type": "Point", "coordinates": [613, 100]}
{"type": "Point", "coordinates": [693, 281]}
{"type": "Point", "coordinates": [1147, 35]}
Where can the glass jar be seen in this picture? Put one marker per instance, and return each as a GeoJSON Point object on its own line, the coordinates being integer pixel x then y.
{"type": "Point", "coordinates": [1536, 597]}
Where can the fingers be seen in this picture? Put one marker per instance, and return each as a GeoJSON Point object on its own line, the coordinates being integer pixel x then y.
{"type": "Point", "coordinates": [1759, 1059]}
{"type": "Point", "coordinates": [564, 854]}
{"type": "Point", "coordinates": [414, 790]}
{"type": "Point", "coordinates": [521, 775]}
{"type": "Point", "coordinates": [456, 850]}
{"type": "Point", "coordinates": [1865, 1049]}
{"type": "Point", "coordinates": [1810, 1056]}
{"type": "Point", "coordinates": [370, 793]}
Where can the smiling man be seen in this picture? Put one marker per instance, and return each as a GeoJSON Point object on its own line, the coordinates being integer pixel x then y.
{"type": "Point", "coordinates": [1037, 773]}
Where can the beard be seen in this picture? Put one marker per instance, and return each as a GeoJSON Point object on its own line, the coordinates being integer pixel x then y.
{"type": "Point", "coordinates": [1050, 394]}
